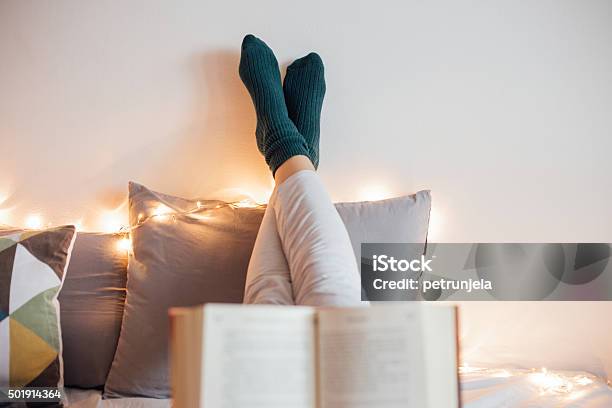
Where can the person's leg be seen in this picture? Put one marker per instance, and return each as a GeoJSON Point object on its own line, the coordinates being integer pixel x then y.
{"type": "Point", "coordinates": [304, 90]}
{"type": "Point", "coordinates": [313, 239]}
{"type": "Point", "coordinates": [268, 280]}
{"type": "Point", "coordinates": [277, 137]}
{"type": "Point", "coordinates": [315, 242]}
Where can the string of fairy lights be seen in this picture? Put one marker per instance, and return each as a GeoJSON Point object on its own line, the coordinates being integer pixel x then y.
{"type": "Point", "coordinates": [164, 213]}
{"type": "Point", "coordinates": [161, 213]}
{"type": "Point", "coordinates": [568, 385]}
{"type": "Point", "coordinates": [113, 221]}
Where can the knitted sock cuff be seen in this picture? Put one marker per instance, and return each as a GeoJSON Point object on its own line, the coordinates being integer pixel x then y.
{"type": "Point", "coordinates": [284, 146]}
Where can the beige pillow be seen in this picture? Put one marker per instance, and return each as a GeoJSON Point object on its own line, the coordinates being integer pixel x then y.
{"type": "Point", "coordinates": [91, 308]}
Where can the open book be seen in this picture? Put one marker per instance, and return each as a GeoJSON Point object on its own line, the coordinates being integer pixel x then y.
{"type": "Point", "coordinates": [301, 357]}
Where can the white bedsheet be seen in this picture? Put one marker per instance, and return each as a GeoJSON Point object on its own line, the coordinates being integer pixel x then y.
{"type": "Point", "coordinates": [485, 388]}
{"type": "Point", "coordinates": [480, 388]}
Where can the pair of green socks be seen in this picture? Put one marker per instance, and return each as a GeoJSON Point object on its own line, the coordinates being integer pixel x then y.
{"type": "Point", "coordinates": [289, 113]}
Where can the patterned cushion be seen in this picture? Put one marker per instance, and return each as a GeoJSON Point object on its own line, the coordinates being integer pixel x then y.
{"type": "Point", "coordinates": [32, 269]}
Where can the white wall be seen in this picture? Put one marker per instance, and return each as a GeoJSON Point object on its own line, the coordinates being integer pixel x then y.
{"type": "Point", "coordinates": [502, 109]}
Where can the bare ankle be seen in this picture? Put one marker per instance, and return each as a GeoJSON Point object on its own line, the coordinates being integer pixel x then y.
{"type": "Point", "coordinates": [292, 166]}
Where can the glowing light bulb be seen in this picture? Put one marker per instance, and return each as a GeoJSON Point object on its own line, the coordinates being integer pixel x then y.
{"type": "Point", "coordinates": [465, 368]}
{"type": "Point", "coordinates": [576, 394]}
{"type": "Point", "coordinates": [161, 212]}
{"type": "Point", "coordinates": [261, 196]}
{"type": "Point", "coordinates": [503, 374]}
{"type": "Point", "coordinates": [124, 244]}
{"type": "Point", "coordinates": [111, 221]}
{"type": "Point", "coordinates": [78, 225]}
{"type": "Point", "coordinates": [34, 221]}
{"type": "Point", "coordinates": [584, 381]}
{"type": "Point", "coordinates": [4, 216]}
{"type": "Point", "coordinates": [435, 225]}
{"type": "Point", "coordinates": [550, 382]}
{"type": "Point", "coordinates": [265, 196]}
{"type": "Point", "coordinates": [245, 203]}
{"type": "Point", "coordinates": [374, 192]}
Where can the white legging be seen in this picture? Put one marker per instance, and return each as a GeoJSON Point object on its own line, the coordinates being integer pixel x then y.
{"type": "Point", "coordinates": [302, 253]}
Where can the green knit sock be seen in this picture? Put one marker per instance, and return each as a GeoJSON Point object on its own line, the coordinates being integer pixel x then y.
{"type": "Point", "coordinates": [277, 137]}
{"type": "Point", "coordinates": [304, 89]}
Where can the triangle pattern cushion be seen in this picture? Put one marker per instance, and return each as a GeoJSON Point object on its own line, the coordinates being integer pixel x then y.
{"type": "Point", "coordinates": [13, 235]}
{"type": "Point", "coordinates": [47, 375]}
{"type": "Point", "coordinates": [6, 243]}
{"type": "Point", "coordinates": [38, 315]}
{"type": "Point", "coordinates": [30, 277]}
{"type": "Point", "coordinates": [5, 350]}
{"type": "Point", "coordinates": [28, 233]}
{"type": "Point", "coordinates": [29, 354]}
{"type": "Point", "coordinates": [42, 246]}
{"type": "Point", "coordinates": [32, 270]}
{"type": "Point", "coordinates": [7, 256]}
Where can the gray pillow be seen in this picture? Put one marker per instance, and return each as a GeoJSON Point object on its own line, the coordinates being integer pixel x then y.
{"type": "Point", "coordinates": [91, 308]}
{"type": "Point", "coordinates": [188, 259]}
{"type": "Point", "coordinates": [400, 219]}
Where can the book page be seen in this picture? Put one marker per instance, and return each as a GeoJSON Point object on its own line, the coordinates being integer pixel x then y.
{"type": "Point", "coordinates": [439, 325]}
{"type": "Point", "coordinates": [259, 356]}
{"type": "Point", "coordinates": [370, 357]}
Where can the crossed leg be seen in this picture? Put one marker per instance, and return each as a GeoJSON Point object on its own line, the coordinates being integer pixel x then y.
{"type": "Point", "coordinates": [302, 254]}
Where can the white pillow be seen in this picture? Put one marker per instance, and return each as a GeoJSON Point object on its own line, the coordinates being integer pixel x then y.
{"type": "Point", "coordinates": [400, 219]}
